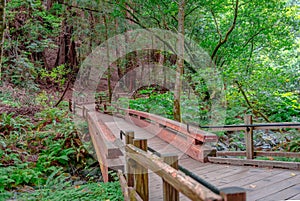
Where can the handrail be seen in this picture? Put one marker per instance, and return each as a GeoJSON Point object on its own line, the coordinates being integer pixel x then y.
{"type": "Point", "coordinates": [263, 126]}
{"type": "Point", "coordinates": [250, 153]}
{"type": "Point", "coordinates": [192, 175]}
{"type": "Point", "coordinates": [181, 182]}
{"type": "Point", "coordinates": [180, 179]}
{"type": "Point", "coordinates": [192, 142]}
{"type": "Point", "coordinates": [193, 132]}
{"type": "Point", "coordinates": [181, 168]}
{"type": "Point", "coordinates": [259, 126]}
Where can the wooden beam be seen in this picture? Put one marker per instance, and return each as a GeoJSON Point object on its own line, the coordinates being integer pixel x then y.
{"type": "Point", "coordinates": [193, 132]}
{"type": "Point", "coordinates": [104, 139]}
{"type": "Point", "coordinates": [181, 182]}
{"type": "Point", "coordinates": [124, 186]}
{"type": "Point", "coordinates": [260, 153]}
{"type": "Point", "coordinates": [249, 137]}
{"type": "Point", "coordinates": [169, 192]}
{"type": "Point", "coordinates": [134, 196]}
{"type": "Point", "coordinates": [141, 181]}
{"type": "Point", "coordinates": [129, 137]}
{"type": "Point", "coordinates": [129, 193]}
{"type": "Point", "coordinates": [231, 153]}
{"type": "Point", "coordinates": [271, 126]}
{"type": "Point", "coordinates": [100, 154]}
{"type": "Point", "coordinates": [259, 163]}
{"type": "Point", "coordinates": [233, 194]}
{"type": "Point", "coordinates": [198, 152]}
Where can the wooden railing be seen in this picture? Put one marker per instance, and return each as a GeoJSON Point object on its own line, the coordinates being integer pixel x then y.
{"type": "Point", "coordinates": [189, 140]}
{"type": "Point", "coordinates": [250, 152]}
{"type": "Point", "coordinates": [136, 183]}
{"type": "Point", "coordinates": [108, 154]}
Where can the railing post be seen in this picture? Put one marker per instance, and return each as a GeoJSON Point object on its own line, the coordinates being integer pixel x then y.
{"type": "Point", "coordinates": [169, 192]}
{"type": "Point", "coordinates": [141, 173]}
{"type": "Point", "coordinates": [233, 194]}
{"type": "Point", "coordinates": [129, 137]}
{"type": "Point", "coordinates": [249, 137]}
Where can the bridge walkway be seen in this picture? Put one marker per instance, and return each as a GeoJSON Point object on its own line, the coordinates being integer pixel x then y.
{"type": "Point", "coordinates": [261, 183]}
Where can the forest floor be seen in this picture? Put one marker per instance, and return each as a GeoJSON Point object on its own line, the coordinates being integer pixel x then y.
{"type": "Point", "coordinates": [42, 156]}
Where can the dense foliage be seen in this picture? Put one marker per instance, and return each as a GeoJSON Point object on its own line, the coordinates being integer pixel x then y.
{"type": "Point", "coordinates": [42, 157]}
{"type": "Point", "coordinates": [254, 45]}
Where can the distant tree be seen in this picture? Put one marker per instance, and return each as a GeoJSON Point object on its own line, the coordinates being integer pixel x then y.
{"type": "Point", "coordinates": [2, 27]}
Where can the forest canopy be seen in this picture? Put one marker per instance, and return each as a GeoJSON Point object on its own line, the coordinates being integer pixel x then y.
{"type": "Point", "coordinates": [253, 44]}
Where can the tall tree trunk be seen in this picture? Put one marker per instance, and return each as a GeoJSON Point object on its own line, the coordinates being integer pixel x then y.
{"type": "Point", "coordinates": [108, 64]}
{"type": "Point", "coordinates": [180, 61]}
{"type": "Point", "coordinates": [2, 28]}
{"type": "Point", "coordinates": [67, 49]}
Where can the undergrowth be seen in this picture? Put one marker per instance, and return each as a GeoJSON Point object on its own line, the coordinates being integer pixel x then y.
{"type": "Point", "coordinates": [44, 158]}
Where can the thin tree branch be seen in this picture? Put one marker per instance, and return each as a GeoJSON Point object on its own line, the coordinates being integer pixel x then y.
{"type": "Point", "coordinates": [216, 23]}
{"type": "Point", "coordinates": [136, 22]}
{"type": "Point", "coordinates": [252, 37]}
{"type": "Point", "coordinates": [250, 56]}
{"type": "Point", "coordinates": [221, 42]}
{"type": "Point", "coordinates": [64, 93]}
{"type": "Point", "coordinates": [191, 11]}
{"type": "Point", "coordinates": [249, 104]}
{"type": "Point", "coordinates": [174, 18]}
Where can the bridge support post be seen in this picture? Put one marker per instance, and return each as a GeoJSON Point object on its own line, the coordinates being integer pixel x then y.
{"type": "Point", "coordinates": [233, 194]}
{"type": "Point", "coordinates": [169, 192]}
{"type": "Point", "coordinates": [141, 173]}
{"type": "Point", "coordinates": [129, 137]}
{"type": "Point", "coordinates": [249, 137]}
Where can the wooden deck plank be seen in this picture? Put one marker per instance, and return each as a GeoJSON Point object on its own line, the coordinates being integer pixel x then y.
{"type": "Point", "coordinates": [249, 179]}
{"type": "Point", "coordinates": [263, 182]}
{"type": "Point", "coordinates": [219, 177]}
{"type": "Point", "coordinates": [192, 164]}
{"type": "Point", "coordinates": [204, 170]}
{"type": "Point", "coordinates": [283, 194]}
{"type": "Point", "coordinates": [238, 177]}
{"type": "Point", "coordinates": [264, 192]}
{"type": "Point", "coordinates": [221, 172]}
{"type": "Point", "coordinates": [295, 197]}
{"type": "Point", "coordinates": [230, 174]}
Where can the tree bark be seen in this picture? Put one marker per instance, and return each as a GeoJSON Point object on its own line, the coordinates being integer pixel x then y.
{"type": "Point", "coordinates": [2, 28]}
{"type": "Point", "coordinates": [180, 61]}
{"type": "Point", "coordinates": [67, 50]}
{"type": "Point", "coordinates": [108, 64]}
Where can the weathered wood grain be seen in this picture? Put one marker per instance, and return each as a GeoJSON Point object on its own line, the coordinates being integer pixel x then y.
{"type": "Point", "coordinates": [141, 181]}
{"type": "Point", "coordinates": [249, 138]}
{"type": "Point", "coordinates": [180, 181]}
{"type": "Point", "coordinates": [169, 192]}
{"type": "Point", "coordinates": [260, 153]}
{"type": "Point", "coordinates": [259, 163]}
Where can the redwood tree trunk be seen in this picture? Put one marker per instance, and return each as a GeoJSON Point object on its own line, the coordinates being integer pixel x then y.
{"type": "Point", "coordinates": [67, 49]}
{"type": "Point", "coordinates": [180, 61]}
{"type": "Point", "coordinates": [108, 58]}
{"type": "Point", "coordinates": [2, 28]}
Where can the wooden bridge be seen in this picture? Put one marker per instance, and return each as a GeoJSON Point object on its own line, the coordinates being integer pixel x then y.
{"type": "Point", "coordinates": [160, 159]}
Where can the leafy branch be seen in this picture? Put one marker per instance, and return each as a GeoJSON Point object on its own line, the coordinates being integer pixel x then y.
{"type": "Point", "coordinates": [223, 41]}
{"type": "Point", "coordinates": [255, 111]}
